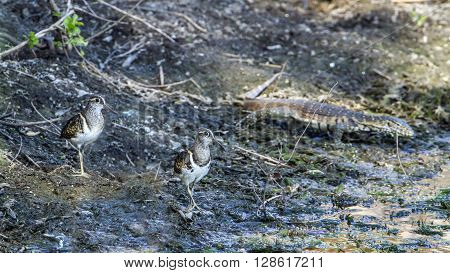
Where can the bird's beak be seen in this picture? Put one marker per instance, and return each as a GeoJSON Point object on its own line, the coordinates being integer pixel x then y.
{"type": "Point", "coordinates": [110, 108]}
{"type": "Point", "coordinates": [220, 144]}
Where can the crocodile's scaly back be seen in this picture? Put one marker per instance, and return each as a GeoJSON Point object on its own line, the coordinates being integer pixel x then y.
{"type": "Point", "coordinates": [327, 117]}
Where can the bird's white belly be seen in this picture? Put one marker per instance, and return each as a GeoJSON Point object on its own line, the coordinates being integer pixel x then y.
{"type": "Point", "coordinates": [87, 137]}
{"type": "Point", "coordinates": [196, 174]}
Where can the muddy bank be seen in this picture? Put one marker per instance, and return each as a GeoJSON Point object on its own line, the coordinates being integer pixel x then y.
{"type": "Point", "coordinates": [328, 198]}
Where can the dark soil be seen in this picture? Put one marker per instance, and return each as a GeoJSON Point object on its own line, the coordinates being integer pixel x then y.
{"type": "Point", "coordinates": [352, 198]}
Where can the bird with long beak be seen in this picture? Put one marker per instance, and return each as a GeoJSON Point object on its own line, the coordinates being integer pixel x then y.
{"type": "Point", "coordinates": [85, 127]}
{"type": "Point", "coordinates": [193, 164]}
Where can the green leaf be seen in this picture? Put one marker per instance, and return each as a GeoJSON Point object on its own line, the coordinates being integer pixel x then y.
{"type": "Point", "coordinates": [56, 14]}
{"type": "Point", "coordinates": [417, 18]}
{"type": "Point", "coordinates": [32, 40]}
{"type": "Point", "coordinates": [58, 44]}
{"type": "Point", "coordinates": [421, 20]}
{"type": "Point", "coordinates": [71, 25]}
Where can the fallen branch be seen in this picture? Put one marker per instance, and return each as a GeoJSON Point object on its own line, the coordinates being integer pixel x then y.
{"type": "Point", "coordinates": [138, 19]}
{"type": "Point", "coordinates": [94, 15]}
{"type": "Point", "coordinates": [40, 34]}
{"type": "Point", "coordinates": [46, 119]}
{"type": "Point", "coordinates": [113, 24]}
{"type": "Point", "coordinates": [5, 115]}
{"type": "Point", "coordinates": [20, 149]}
{"type": "Point", "coordinates": [24, 124]}
{"type": "Point", "coordinates": [184, 16]}
{"type": "Point", "coordinates": [267, 158]}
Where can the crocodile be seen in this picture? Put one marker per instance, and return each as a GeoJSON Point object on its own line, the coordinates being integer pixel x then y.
{"type": "Point", "coordinates": [330, 117]}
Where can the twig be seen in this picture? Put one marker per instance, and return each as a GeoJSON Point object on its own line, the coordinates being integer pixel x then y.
{"type": "Point", "coordinates": [94, 15]}
{"type": "Point", "coordinates": [268, 158]}
{"type": "Point", "coordinates": [138, 19]}
{"type": "Point", "coordinates": [194, 24]}
{"type": "Point", "coordinates": [113, 24]}
{"type": "Point", "coordinates": [40, 34]}
{"type": "Point", "coordinates": [5, 115]}
{"type": "Point", "coordinates": [20, 149]}
{"type": "Point", "coordinates": [24, 124]}
{"type": "Point", "coordinates": [24, 73]}
{"type": "Point", "coordinates": [381, 74]}
{"type": "Point", "coordinates": [161, 75]}
{"type": "Point", "coordinates": [31, 160]}
{"type": "Point", "coordinates": [398, 155]}
{"type": "Point", "coordinates": [157, 171]}
{"type": "Point", "coordinates": [184, 16]}
{"type": "Point", "coordinates": [89, 7]}
{"type": "Point", "coordinates": [42, 116]}
{"type": "Point", "coordinates": [134, 48]}
{"type": "Point", "coordinates": [129, 160]}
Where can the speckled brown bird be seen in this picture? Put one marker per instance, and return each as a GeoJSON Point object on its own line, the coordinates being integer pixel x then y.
{"type": "Point", "coordinates": [193, 164]}
{"type": "Point", "coordinates": [85, 127]}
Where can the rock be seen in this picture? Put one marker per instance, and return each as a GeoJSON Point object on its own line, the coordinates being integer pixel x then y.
{"type": "Point", "coordinates": [351, 194]}
{"type": "Point", "coordinates": [136, 229]}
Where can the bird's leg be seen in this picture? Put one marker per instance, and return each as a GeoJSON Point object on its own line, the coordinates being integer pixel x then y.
{"type": "Point", "coordinates": [194, 205]}
{"type": "Point", "coordinates": [82, 173]}
{"type": "Point", "coordinates": [191, 199]}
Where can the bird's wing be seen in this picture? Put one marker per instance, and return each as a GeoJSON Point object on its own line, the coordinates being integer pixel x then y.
{"type": "Point", "coordinates": [182, 161]}
{"type": "Point", "coordinates": [73, 127]}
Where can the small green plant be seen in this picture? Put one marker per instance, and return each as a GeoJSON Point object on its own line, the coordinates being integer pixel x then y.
{"type": "Point", "coordinates": [418, 19]}
{"type": "Point", "coordinates": [32, 40]}
{"type": "Point", "coordinates": [72, 26]}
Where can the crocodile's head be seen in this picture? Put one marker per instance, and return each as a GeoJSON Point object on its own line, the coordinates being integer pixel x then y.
{"type": "Point", "coordinates": [388, 125]}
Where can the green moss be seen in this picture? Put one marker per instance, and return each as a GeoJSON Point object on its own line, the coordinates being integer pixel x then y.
{"type": "Point", "coordinates": [443, 199]}
{"type": "Point", "coordinates": [429, 230]}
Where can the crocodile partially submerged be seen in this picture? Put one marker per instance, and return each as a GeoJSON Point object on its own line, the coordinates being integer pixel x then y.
{"type": "Point", "coordinates": [330, 117]}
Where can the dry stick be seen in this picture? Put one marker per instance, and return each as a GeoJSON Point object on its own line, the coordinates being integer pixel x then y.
{"type": "Point", "coordinates": [42, 116]}
{"type": "Point", "coordinates": [89, 7]}
{"type": "Point", "coordinates": [134, 48]}
{"type": "Point", "coordinates": [20, 149]}
{"type": "Point", "coordinates": [157, 171]}
{"type": "Point", "coordinates": [161, 75]}
{"type": "Point", "coordinates": [40, 34]}
{"type": "Point", "coordinates": [69, 6]}
{"type": "Point", "coordinates": [5, 115]}
{"type": "Point", "coordinates": [114, 24]}
{"type": "Point", "coordinates": [398, 155]}
{"type": "Point", "coordinates": [31, 160]}
{"type": "Point", "coordinates": [93, 15]}
{"type": "Point", "coordinates": [165, 85]}
{"type": "Point", "coordinates": [268, 158]}
{"type": "Point", "coordinates": [307, 125]}
{"type": "Point", "coordinates": [138, 19]}
{"type": "Point", "coordinates": [187, 18]}
{"type": "Point", "coordinates": [24, 124]}
{"type": "Point", "coordinates": [194, 24]}
{"type": "Point", "coordinates": [24, 73]}
{"type": "Point", "coordinates": [129, 160]}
